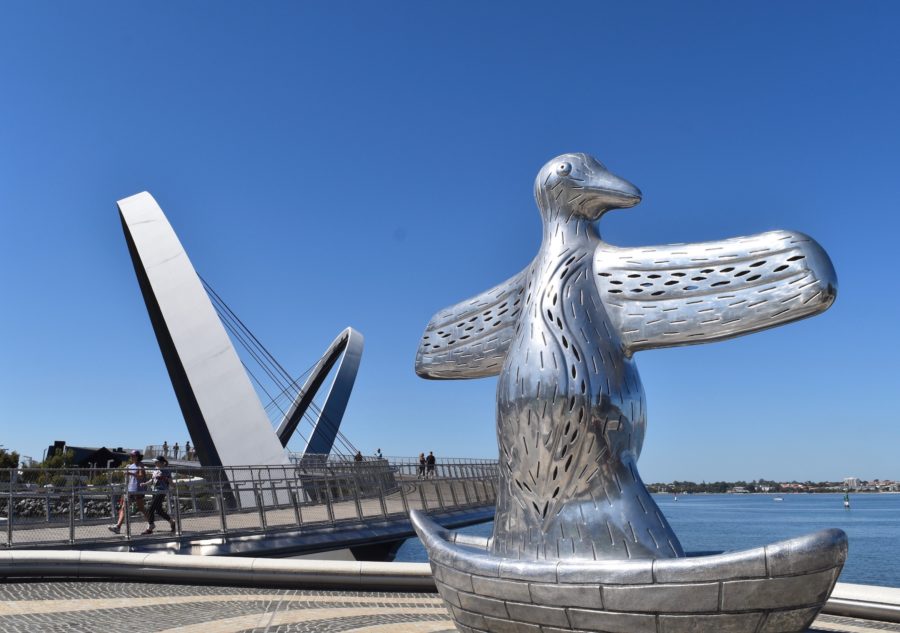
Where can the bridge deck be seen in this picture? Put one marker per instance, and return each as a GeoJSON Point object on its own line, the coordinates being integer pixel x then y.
{"type": "Point", "coordinates": [267, 516]}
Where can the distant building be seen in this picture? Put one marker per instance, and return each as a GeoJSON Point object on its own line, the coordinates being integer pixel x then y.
{"type": "Point", "coordinates": [739, 490]}
{"type": "Point", "coordinates": [851, 482]}
{"type": "Point", "coordinates": [90, 457]}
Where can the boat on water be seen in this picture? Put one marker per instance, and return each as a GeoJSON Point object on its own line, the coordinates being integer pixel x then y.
{"type": "Point", "coordinates": [778, 499]}
{"type": "Point", "coordinates": [778, 588]}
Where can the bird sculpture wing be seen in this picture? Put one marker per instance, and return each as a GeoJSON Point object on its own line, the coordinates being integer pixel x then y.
{"type": "Point", "coordinates": [470, 339]}
{"type": "Point", "coordinates": [681, 294]}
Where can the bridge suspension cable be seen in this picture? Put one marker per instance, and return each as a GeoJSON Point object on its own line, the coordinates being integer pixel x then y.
{"type": "Point", "coordinates": [287, 389]}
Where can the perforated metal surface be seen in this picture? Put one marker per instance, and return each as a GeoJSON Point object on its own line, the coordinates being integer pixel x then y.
{"type": "Point", "coordinates": [573, 516]}
{"type": "Point", "coordinates": [571, 413]}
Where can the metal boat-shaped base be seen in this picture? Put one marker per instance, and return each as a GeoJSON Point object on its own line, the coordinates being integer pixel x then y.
{"type": "Point", "coordinates": [779, 588]}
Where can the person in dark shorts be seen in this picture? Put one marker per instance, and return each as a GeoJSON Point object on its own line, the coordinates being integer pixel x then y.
{"type": "Point", "coordinates": [429, 464]}
{"type": "Point", "coordinates": [421, 465]}
{"type": "Point", "coordinates": [159, 482]}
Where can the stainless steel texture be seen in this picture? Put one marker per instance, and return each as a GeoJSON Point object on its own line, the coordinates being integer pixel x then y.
{"type": "Point", "coordinates": [225, 419]}
{"type": "Point", "coordinates": [571, 413]}
{"type": "Point", "coordinates": [471, 338]}
{"type": "Point", "coordinates": [235, 570]}
{"type": "Point", "coordinates": [739, 592]}
{"type": "Point", "coordinates": [326, 425]}
{"type": "Point", "coordinates": [574, 519]}
{"type": "Point", "coordinates": [660, 296]}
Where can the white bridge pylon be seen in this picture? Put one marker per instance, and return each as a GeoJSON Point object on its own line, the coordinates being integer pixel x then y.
{"type": "Point", "coordinates": [224, 416]}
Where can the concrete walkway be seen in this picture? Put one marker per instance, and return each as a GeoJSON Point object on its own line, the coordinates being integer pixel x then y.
{"type": "Point", "coordinates": [49, 607]}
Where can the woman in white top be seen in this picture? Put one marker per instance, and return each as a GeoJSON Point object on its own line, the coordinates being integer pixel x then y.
{"type": "Point", "coordinates": [134, 476]}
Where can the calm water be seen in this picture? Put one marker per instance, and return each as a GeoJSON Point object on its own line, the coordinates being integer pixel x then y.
{"type": "Point", "coordinates": [732, 522]}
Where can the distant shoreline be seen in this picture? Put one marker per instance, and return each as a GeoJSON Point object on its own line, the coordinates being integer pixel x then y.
{"type": "Point", "coordinates": [781, 494]}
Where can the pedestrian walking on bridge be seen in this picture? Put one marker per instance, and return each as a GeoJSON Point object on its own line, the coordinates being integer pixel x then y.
{"type": "Point", "coordinates": [159, 483]}
{"type": "Point", "coordinates": [135, 474]}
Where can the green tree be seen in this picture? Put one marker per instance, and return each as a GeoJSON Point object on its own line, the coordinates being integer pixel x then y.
{"type": "Point", "coordinates": [50, 470]}
{"type": "Point", "coordinates": [8, 459]}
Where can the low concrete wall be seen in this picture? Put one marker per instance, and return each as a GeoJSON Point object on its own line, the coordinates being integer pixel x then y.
{"type": "Point", "coordinates": [858, 601]}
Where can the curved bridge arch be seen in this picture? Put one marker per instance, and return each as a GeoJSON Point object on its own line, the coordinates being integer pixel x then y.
{"type": "Point", "coordinates": [223, 414]}
{"type": "Point", "coordinates": [325, 428]}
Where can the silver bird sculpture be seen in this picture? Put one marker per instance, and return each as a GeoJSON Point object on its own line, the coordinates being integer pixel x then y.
{"type": "Point", "coordinates": [561, 334]}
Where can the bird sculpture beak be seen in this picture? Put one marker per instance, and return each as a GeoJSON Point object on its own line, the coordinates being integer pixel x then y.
{"type": "Point", "coordinates": [608, 191]}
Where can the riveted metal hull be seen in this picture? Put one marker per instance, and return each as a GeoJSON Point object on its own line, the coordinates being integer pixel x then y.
{"type": "Point", "coordinates": [779, 588]}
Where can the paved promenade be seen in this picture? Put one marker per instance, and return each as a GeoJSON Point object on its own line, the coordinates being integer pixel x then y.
{"type": "Point", "coordinates": [49, 607]}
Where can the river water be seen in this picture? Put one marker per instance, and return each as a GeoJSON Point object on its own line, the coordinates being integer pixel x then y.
{"type": "Point", "coordinates": [733, 522]}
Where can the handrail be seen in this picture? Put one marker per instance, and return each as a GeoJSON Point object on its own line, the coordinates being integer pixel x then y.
{"type": "Point", "coordinates": [75, 505]}
{"type": "Point", "coordinates": [241, 571]}
{"type": "Point", "coordinates": [868, 602]}
{"type": "Point", "coordinates": [152, 450]}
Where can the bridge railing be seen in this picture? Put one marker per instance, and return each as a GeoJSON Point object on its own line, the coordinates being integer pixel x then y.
{"type": "Point", "coordinates": [444, 467]}
{"type": "Point", "coordinates": [72, 507]}
{"type": "Point", "coordinates": [409, 466]}
{"type": "Point", "coordinates": [182, 455]}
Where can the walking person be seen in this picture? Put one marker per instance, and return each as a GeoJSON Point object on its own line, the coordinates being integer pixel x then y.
{"type": "Point", "coordinates": [188, 455]}
{"type": "Point", "coordinates": [421, 466]}
{"type": "Point", "coordinates": [175, 451]}
{"type": "Point", "coordinates": [165, 448]}
{"type": "Point", "coordinates": [430, 462]}
{"type": "Point", "coordinates": [160, 480]}
{"type": "Point", "coordinates": [135, 474]}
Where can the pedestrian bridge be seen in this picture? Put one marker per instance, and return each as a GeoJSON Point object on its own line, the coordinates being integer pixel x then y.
{"type": "Point", "coordinates": [317, 504]}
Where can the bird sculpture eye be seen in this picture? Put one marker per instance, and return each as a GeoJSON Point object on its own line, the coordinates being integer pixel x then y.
{"type": "Point", "coordinates": [564, 169]}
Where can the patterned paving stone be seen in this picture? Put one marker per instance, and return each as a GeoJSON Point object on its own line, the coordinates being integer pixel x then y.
{"type": "Point", "coordinates": [837, 623]}
{"type": "Point", "coordinates": [395, 622]}
{"type": "Point", "coordinates": [58, 607]}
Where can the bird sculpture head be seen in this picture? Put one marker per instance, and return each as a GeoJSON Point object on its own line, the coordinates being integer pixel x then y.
{"type": "Point", "coordinates": [579, 185]}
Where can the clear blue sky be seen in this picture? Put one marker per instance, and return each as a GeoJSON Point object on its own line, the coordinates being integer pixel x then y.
{"type": "Point", "coordinates": [333, 164]}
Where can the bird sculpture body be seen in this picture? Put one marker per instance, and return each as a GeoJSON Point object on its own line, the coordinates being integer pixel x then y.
{"type": "Point", "coordinates": [561, 334]}
{"type": "Point", "coordinates": [578, 543]}
{"type": "Point", "coordinates": [570, 405]}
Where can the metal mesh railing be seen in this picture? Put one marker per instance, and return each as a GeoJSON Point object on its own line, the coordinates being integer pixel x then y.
{"type": "Point", "coordinates": [188, 454]}
{"type": "Point", "coordinates": [74, 506]}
